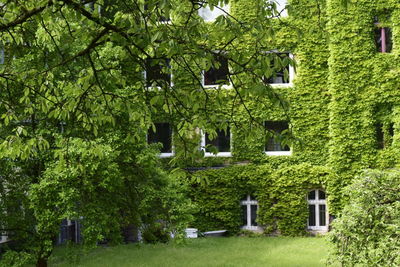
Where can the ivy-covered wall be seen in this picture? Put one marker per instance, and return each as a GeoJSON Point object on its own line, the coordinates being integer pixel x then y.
{"type": "Point", "coordinates": [343, 89]}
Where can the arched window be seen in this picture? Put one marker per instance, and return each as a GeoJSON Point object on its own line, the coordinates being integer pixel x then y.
{"type": "Point", "coordinates": [249, 213]}
{"type": "Point", "coordinates": [317, 212]}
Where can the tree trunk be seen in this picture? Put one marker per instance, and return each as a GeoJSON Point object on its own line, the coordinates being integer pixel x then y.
{"type": "Point", "coordinates": [41, 262]}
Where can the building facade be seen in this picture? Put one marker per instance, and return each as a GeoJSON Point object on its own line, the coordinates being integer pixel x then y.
{"type": "Point", "coordinates": [340, 118]}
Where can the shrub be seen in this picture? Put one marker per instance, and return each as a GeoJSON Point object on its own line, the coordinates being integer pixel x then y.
{"type": "Point", "coordinates": [367, 231]}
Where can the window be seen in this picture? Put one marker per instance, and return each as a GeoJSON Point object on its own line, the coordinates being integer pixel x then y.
{"type": "Point", "coordinates": [220, 144]}
{"type": "Point", "coordinates": [317, 212]}
{"type": "Point", "coordinates": [249, 213]}
{"type": "Point", "coordinates": [218, 73]}
{"type": "Point", "coordinates": [283, 72]}
{"type": "Point", "coordinates": [383, 37]}
{"type": "Point", "coordinates": [384, 134]}
{"type": "Point", "coordinates": [158, 72]}
{"type": "Point", "coordinates": [163, 135]}
{"type": "Point", "coordinates": [273, 145]}
{"type": "Point", "coordinates": [210, 15]}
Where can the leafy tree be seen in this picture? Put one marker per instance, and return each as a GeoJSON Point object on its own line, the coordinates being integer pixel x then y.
{"type": "Point", "coordinates": [367, 231]}
{"type": "Point", "coordinates": [75, 107]}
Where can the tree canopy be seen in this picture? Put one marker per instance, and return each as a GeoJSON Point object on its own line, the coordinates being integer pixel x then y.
{"type": "Point", "coordinates": [75, 106]}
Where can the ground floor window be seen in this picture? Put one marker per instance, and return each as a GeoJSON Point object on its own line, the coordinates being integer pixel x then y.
{"type": "Point", "coordinates": [249, 213]}
{"type": "Point", "coordinates": [317, 212]}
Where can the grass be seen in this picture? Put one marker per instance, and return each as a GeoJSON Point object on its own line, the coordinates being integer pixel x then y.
{"type": "Point", "coordinates": [233, 251]}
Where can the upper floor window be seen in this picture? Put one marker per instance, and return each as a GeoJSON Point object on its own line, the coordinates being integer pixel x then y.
{"type": "Point", "coordinates": [218, 145]}
{"type": "Point", "coordinates": [282, 70]}
{"type": "Point", "coordinates": [274, 146]}
{"type": "Point", "coordinates": [163, 135]}
{"type": "Point", "coordinates": [383, 39]}
{"type": "Point", "coordinates": [218, 73]}
{"type": "Point", "coordinates": [249, 207]}
{"type": "Point", "coordinates": [384, 134]}
{"type": "Point", "coordinates": [210, 15]}
{"type": "Point", "coordinates": [383, 36]}
{"type": "Point", "coordinates": [317, 212]}
{"type": "Point", "coordinates": [158, 72]}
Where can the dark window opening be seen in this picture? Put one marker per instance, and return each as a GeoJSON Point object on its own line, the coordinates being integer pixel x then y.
{"type": "Point", "coordinates": [311, 195]}
{"type": "Point", "coordinates": [222, 141]}
{"type": "Point", "coordinates": [253, 214]}
{"type": "Point", "coordinates": [322, 217]}
{"type": "Point", "coordinates": [280, 68]}
{"type": "Point", "coordinates": [311, 215]}
{"type": "Point", "coordinates": [274, 142]}
{"type": "Point", "coordinates": [384, 134]}
{"type": "Point", "coordinates": [244, 215]}
{"type": "Point", "coordinates": [217, 74]}
{"type": "Point", "coordinates": [158, 72]}
{"type": "Point", "coordinates": [321, 194]}
{"type": "Point", "coordinates": [163, 135]}
{"type": "Point", "coordinates": [380, 144]}
{"type": "Point", "coordinates": [383, 39]}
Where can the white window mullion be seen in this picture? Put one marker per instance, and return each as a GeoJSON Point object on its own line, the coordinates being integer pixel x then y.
{"type": "Point", "coordinates": [248, 211]}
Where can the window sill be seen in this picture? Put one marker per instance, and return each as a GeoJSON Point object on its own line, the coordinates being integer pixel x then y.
{"type": "Point", "coordinates": [214, 86]}
{"type": "Point", "coordinates": [166, 155]}
{"type": "Point", "coordinates": [320, 229]}
{"type": "Point", "coordinates": [278, 153]}
{"type": "Point", "coordinates": [281, 85]}
{"type": "Point", "coordinates": [219, 154]}
{"type": "Point", "coordinates": [251, 228]}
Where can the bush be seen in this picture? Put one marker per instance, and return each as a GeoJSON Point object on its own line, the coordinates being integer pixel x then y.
{"type": "Point", "coordinates": [367, 231]}
{"type": "Point", "coordinates": [155, 233]}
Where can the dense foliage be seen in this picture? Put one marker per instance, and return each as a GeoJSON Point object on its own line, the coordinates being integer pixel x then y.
{"type": "Point", "coordinates": [367, 232]}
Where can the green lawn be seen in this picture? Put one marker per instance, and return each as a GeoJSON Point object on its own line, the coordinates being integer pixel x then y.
{"type": "Point", "coordinates": [233, 251]}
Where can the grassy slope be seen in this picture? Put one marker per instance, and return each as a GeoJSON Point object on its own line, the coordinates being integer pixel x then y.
{"type": "Point", "coordinates": [234, 251]}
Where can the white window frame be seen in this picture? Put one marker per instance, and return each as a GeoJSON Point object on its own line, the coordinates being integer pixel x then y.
{"type": "Point", "coordinates": [278, 153]}
{"type": "Point", "coordinates": [318, 202]}
{"type": "Point", "coordinates": [291, 73]}
{"type": "Point", "coordinates": [210, 154]}
{"type": "Point", "coordinates": [216, 12]}
{"type": "Point", "coordinates": [165, 154]}
{"type": "Point", "coordinates": [248, 202]}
